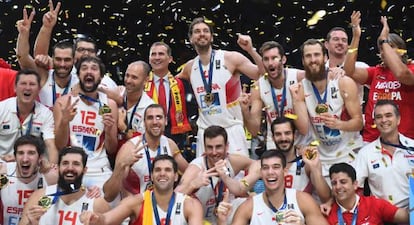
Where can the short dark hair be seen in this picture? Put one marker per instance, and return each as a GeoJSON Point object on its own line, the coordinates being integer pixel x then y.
{"type": "Point", "coordinates": [215, 131]}
{"type": "Point", "coordinates": [273, 154]}
{"type": "Point", "coordinates": [85, 39]}
{"type": "Point", "coordinates": [281, 120]}
{"type": "Point", "coordinates": [165, 157]}
{"type": "Point", "coordinates": [73, 150]}
{"type": "Point", "coordinates": [313, 42]}
{"type": "Point", "coordinates": [328, 36]}
{"type": "Point", "coordinates": [154, 106]}
{"type": "Point", "coordinates": [64, 44]}
{"type": "Point", "coordinates": [24, 72]}
{"type": "Point", "coordinates": [160, 43]}
{"type": "Point", "coordinates": [271, 44]}
{"type": "Point", "coordinates": [392, 103]}
{"type": "Point", "coordinates": [197, 21]}
{"type": "Point", "coordinates": [344, 168]}
{"type": "Point", "coordinates": [30, 140]}
{"type": "Point", "coordinates": [94, 59]}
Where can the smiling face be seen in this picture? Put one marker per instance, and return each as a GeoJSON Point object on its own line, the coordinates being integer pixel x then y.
{"type": "Point", "coordinates": [283, 137]}
{"type": "Point", "coordinates": [314, 60]}
{"type": "Point", "coordinates": [386, 120]}
{"type": "Point", "coordinates": [154, 121]}
{"type": "Point", "coordinates": [135, 78]}
{"type": "Point", "coordinates": [337, 45]}
{"type": "Point", "coordinates": [272, 173]}
{"type": "Point", "coordinates": [215, 149]}
{"type": "Point", "coordinates": [201, 36]}
{"type": "Point", "coordinates": [159, 59]}
{"type": "Point", "coordinates": [343, 189]}
{"type": "Point", "coordinates": [27, 160]}
{"type": "Point", "coordinates": [163, 176]}
{"type": "Point", "coordinates": [71, 170]}
{"type": "Point", "coordinates": [63, 61]}
{"type": "Point", "coordinates": [27, 88]}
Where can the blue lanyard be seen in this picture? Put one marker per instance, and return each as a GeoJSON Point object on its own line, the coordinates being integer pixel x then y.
{"type": "Point", "coordinates": [170, 206]}
{"type": "Point", "coordinates": [60, 193]}
{"type": "Point", "coordinates": [318, 96]}
{"type": "Point", "coordinates": [149, 163]}
{"type": "Point", "coordinates": [409, 149]}
{"type": "Point", "coordinates": [274, 208]}
{"type": "Point", "coordinates": [219, 196]}
{"type": "Point", "coordinates": [65, 91]}
{"type": "Point", "coordinates": [299, 164]}
{"type": "Point", "coordinates": [90, 99]}
{"type": "Point", "coordinates": [29, 128]}
{"type": "Point", "coordinates": [341, 218]}
{"type": "Point", "coordinates": [274, 97]}
{"type": "Point", "coordinates": [207, 86]}
{"type": "Point", "coordinates": [129, 124]}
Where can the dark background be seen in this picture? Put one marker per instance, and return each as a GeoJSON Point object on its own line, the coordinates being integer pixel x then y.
{"type": "Point", "coordinates": [124, 29]}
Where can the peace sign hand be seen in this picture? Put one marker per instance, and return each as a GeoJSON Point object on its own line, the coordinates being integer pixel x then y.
{"type": "Point", "coordinates": [23, 25]}
{"type": "Point", "coordinates": [50, 18]}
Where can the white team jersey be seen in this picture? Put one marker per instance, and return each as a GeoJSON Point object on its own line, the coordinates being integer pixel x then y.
{"type": "Point", "coordinates": [335, 145]}
{"type": "Point", "coordinates": [87, 131]}
{"type": "Point", "coordinates": [206, 194]}
{"type": "Point", "coordinates": [141, 168]}
{"type": "Point", "coordinates": [138, 119]}
{"type": "Point", "coordinates": [177, 212]}
{"type": "Point", "coordinates": [299, 181]}
{"type": "Point", "coordinates": [271, 112]}
{"type": "Point", "coordinates": [387, 178]}
{"type": "Point", "coordinates": [11, 129]}
{"type": "Point", "coordinates": [226, 88]}
{"type": "Point", "coordinates": [16, 193]}
{"type": "Point", "coordinates": [46, 92]}
{"type": "Point", "coordinates": [262, 214]}
{"type": "Point", "coordinates": [62, 214]}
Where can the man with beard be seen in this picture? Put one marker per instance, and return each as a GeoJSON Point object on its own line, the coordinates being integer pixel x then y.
{"type": "Point", "coordinates": [303, 173]}
{"type": "Point", "coordinates": [21, 178]}
{"type": "Point", "coordinates": [57, 81]}
{"type": "Point", "coordinates": [210, 175]}
{"type": "Point", "coordinates": [393, 79]}
{"type": "Point", "coordinates": [215, 78]}
{"type": "Point", "coordinates": [293, 207]}
{"type": "Point", "coordinates": [23, 115]}
{"type": "Point", "coordinates": [332, 108]}
{"type": "Point", "coordinates": [162, 205]}
{"type": "Point", "coordinates": [271, 93]}
{"type": "Point", "coordinates": [64, 202]}
{"type": "Point", "coordinates": [88, 120]}
{"type": "Point", "coordinates": [135, 156]}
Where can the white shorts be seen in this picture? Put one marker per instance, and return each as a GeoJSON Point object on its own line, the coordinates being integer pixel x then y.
{"type": "Point", "coordinates": [236, 138]}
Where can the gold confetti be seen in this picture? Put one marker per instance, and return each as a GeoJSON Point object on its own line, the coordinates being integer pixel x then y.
{"type": "Point", "coordinates": [291, 116]}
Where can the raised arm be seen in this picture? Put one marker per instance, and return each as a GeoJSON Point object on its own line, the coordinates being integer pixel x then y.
{"type": "Point", "coordinates": [43, 37]}
{"type": "Point", "coordinates": [23, 46]}
{"type": "Point", "coordinates": [110, 121]}
{"type": "Point", "coordinates": [251, 105]}
{"type": "Point", "coordinates": [391, 57]}
{"type": "Point", "coordinates": [299, 106]}
{"type": "Point", "coordinates": [245, 42]}
{"type": "Point", "coordinates": [360, 75]}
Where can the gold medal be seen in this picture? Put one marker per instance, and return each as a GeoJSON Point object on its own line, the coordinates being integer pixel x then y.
{"type": "Point", "coordinates": [309, 154]}
{"type": "Point", "coordinates": [104, 109]}
{"type": "Point", "coordinates": [321, 108]}
{"type": "Point", "coordinates": [149, 186]}
{"type": "Point", "coordinates": [45, 202]}
{"type": "Point", "coordinates": [3, 181]}
{"type": "Point", "coordinates": [279, 217]}
{"type": "Point", "coordinates": [209, 98]}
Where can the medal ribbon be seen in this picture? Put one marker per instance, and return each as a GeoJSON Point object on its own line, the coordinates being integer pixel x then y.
{"type": "Point", "coordinates": [60, 193]}
{"type": "Point", "coordinates": [149, 163]}
{"type": "Point", "coordinates": [315, 90]}
{"type": "Point", "coordinates": [129, 123]}
{"type": "Point", "coordinates": [65, 91]}
{"type": "Point", "coordinates": [274, 208]}
{"type": "Point", "coordinates": [407, 148]}
{"type": "Point", "coordinates": [274, 97]}
{"type": "Point", "coordinates": [207, 86]}
{"type": "Point", "coordinates": [219, 196]}
{"type": "Point", "coordinates": [29, 128]}
{"type": "Point", "coordinates": [341, 218]}
{"type": "Point", "coordinates": [299, 164]}
{"type": "Point", "coordinates": [170, 206]}
{"type": "Point", "coordinates": [90, 99]}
